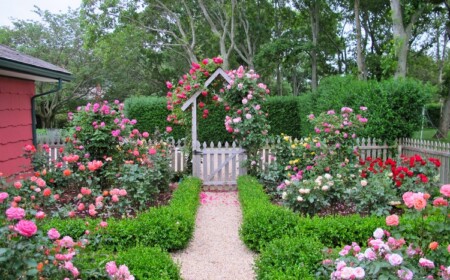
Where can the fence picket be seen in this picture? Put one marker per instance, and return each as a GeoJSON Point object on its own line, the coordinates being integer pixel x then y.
{"type": "Point", "coordinates": [215, 153]}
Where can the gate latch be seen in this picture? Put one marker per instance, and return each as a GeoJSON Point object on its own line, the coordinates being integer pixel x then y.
{"type": "Point", "coordinates": [197, 152]}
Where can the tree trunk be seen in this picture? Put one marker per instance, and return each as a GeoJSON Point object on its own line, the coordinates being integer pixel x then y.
{"type": "Point", "coordinates": [400, 38]}
{"type": "Point", "coordinates": [362, 73]}
{"type": "Point", "coordinates": [444, 122]}
{"type": "Point", "coordinates": [314, 16]}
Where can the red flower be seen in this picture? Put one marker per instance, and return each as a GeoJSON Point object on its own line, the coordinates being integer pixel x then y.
{"type": "Point", "coordinates": [423, 178]}
{"type": "Point", "coordinates": [435, 161]}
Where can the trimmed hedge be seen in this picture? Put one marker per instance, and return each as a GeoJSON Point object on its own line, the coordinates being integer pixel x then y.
{"type": "Point", "coordinates": [149, 263]}
{"type": "Point", "coordinates": [262, 221]}
{"type": "Point", "coordinates": [284, 115]}
{"type": "Point", "coordinates": [291, 245]}
{"type": "Point", "coordinates": [394, 106]}
{"type": "Point", "coordinates": [289, 258]}
{"type": "Point", "coordinates": [168, 227]}
{"type": "Point", "coordinates": [150, 113]}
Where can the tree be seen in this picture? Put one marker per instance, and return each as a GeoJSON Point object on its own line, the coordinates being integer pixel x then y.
{"type": "Point", "coordinates": [403, 24]}
{"type": "Point", "coordinates": [58, 39]}
{"type": "Point", "coordinates": [362, 73]}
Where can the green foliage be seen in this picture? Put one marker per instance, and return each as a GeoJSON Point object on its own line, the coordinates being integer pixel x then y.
{"type": "Point", "coordinates": [433, 114]}
{"type": "Point", "coordinates": [262, 221]}
{"type": "Point", "coordinates": [336, 231]}
{"type": "Point", "coordinates": [394, 106]}
{"type": "Point", "coordinates": [305, 108]}
{"type": "Point", "coordinates": [284, 115]}
{"type": "Point", "coordinates": [169, 227]}
{"type": "Point", "coordinates": [149, 263]}
{"type": "Point", "coordinates": [150, 113]}
{"type": "Point", "coordinates": [289, 258]}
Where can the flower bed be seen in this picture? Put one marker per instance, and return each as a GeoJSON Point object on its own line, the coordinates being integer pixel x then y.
{"type": "Point", "coordinates": [276, 228]}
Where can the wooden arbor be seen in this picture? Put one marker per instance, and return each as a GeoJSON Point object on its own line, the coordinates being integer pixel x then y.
{"type": "Point", "coordinates": [193, 102]}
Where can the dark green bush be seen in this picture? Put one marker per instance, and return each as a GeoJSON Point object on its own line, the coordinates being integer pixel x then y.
{"type": "Point", "coordinates": [149, 263]}
{"type": "Point", "coordinates": [284, 115]}
{"type": "Point", "coordinates": [305, 108]}
{"type": "Point", "coordinates": [289, 258]}
{"type": "Point", "coordinates": [151, 113]}
{"type": "Point", "coordinates": [433, 114]}
{"type": "Point", "coordinates": [169, 227]}
{"type": "Point", "coordinates": [395, 106]}
{"type": "Point", "coordinates": [337, 231]}
{"type": "Point", "coordinates": [262, 221]}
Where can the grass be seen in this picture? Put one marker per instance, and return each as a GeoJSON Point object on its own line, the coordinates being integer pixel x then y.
{"type": "Point", "coordinates": [428, 134]}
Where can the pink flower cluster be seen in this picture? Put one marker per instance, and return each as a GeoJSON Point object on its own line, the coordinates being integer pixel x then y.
{"type": "Point", "coordinates": [95, 165]}
{"type": "Point", "coordinates": [347, 272]}
{"type": "Point", "coordinates": [118, 273]}
{"type": "Point", "coordinates": [416, 200]}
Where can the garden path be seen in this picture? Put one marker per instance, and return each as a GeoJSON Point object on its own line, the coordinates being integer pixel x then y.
{"type": "Point", "coordinates": [216, 252]}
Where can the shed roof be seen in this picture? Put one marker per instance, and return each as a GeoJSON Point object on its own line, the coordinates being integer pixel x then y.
{"type": "Point", "coordinates": [20, 65]}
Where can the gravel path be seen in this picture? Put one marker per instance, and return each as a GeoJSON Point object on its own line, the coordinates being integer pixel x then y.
{"type": "Point", "coordinates": [216, 252]}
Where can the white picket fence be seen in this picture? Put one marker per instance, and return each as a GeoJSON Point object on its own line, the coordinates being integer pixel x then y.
{"type": "Point", "coordinates": [221, 163]}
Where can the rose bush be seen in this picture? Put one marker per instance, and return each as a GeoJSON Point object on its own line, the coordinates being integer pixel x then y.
{"type": "Point", "coordinates": [108, 167]}
{"type": "Point", "coordinates": [417, 250]}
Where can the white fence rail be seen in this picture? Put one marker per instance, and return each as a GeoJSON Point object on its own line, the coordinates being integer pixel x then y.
{"type": "Point", "coordinates": [211, 157]}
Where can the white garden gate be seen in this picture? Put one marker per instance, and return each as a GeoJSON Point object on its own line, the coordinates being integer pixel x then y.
{"type": "Point", "coordinates": [218, 165]}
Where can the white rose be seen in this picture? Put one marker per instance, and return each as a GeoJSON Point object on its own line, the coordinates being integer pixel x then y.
{"type": "Point", "coordinates": [284, 195]}
{"type": "Point", "coordinates": [328, 176]}
{"type": "Point", "coordinates": [363, 183]}
{"type": "Point", "coordinates": [331, 183]}
{"type": "Point", "coordinates": [339, 176]}
{"type": "Point", "coordinates": [287, 182]}
{"type": "Point", "coordinates": [325, 188]}
{"type": "Point", "coordinates": [299, 198]}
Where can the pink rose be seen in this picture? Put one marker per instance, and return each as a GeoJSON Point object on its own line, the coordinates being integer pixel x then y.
{"type": "Point", "coordinates": [3, 196]}
{"type": "Point", "coordinates": [111, 268]}
{"type": "Point", "coordinates": [103, 224]}
{"type": "Point", "coordinates": [115, 198]}
{"type": "Point", "coordinates": [15, 213]}
{"type": "Point", "coordinates": [168, 129]}
{"type": "Point", "coordinates": [17, 184]}
{"type": "Point", "coordinates": [40, 182]}
{"type": "Point", "coordinates": [40, 215]}
{"type": "Point", "coordinates": [445, 190]}
{"type": "Point", "coordinates": [439, 201]}
{"type": "Point", "coordinates": [123, 192]}
{"type": "Point", "coordinates": [53, 234]}
{"type": "Point", "coordinates": [426, 263]}
{"type": "Point", "coordinates": [152, 151]}
{"type": "Point", "coordinates": [395, 259]}
{"type": "Point", "coordinates": [66, 242]}
{"type": "Point", "coordinates": [81, 207]}
{"type": "Point", "coordinates": [26, 228]}
{"type": "Point", "coordinates": [408, 199]}
{"type": "Point", "coordinates": [392, 220]}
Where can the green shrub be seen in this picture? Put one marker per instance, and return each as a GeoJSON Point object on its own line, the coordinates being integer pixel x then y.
{"type": "Point", "coordinates": [149, 263]}
{"type": "Point", "coordinates": [169, 227]}
{"type": "Point", "coordinates": [289, 258]}
{"type": "Point", "coordinates": [284, 115]}
{"type": "Point", "coordinates": [337, 231]}
{"type": "Point", "coordinates": [305, 108]}
{"type": "Point", "coordinates": [151, 113]}
{"type": "Point", "coordinates": [395, 106]}
{"type": "Point", "coordinates": [262, 221]}
{"type": "Point", "coordinates": [433, 114]}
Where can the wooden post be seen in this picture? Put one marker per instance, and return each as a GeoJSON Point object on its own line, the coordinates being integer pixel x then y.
{"type": "Point", "coordinates": [195, 146]}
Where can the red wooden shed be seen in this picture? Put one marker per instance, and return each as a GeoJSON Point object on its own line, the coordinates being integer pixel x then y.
{"type": "Point", "coordinates": [18, 74]}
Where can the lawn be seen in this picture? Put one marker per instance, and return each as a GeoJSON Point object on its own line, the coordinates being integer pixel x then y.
{"type": "Point", "coordinates": [428, 134]}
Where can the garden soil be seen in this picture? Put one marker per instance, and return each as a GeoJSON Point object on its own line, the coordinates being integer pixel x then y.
{"type": "Point", "coordinates": [216, 252]}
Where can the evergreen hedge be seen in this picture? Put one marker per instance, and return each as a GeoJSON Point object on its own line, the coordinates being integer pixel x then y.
{"type": "Point", "coordinates": [151, 114]}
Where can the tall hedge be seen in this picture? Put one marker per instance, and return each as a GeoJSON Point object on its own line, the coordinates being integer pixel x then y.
{"type": "Point", "coordinates": [151, 113]}
{"type": "Point", "coordinates": [284, 115]}
{"type": "Point", "coordinates": [394, 106]}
